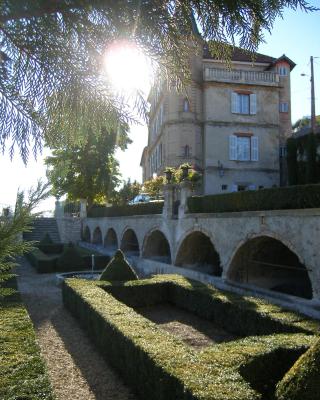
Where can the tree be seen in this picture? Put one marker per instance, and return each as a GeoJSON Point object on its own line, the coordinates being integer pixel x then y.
{"type": "Point", "coordinates": [305, 121]}
{"type": "Point", "coordinates": [88, 170]}
{"type": "Point", "coordinates": [154, 186]}
{"type": "Point", "coordinates": [127, 192]}
{"type": "Point", "coordinates": [12, 226]}
{"type": "Point", "coordinates": [51, 55]}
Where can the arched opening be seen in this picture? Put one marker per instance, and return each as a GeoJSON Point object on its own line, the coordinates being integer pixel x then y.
{"type": "Point", "coordinates": [97, 236]}
{"type": "Point", "coordinates": [157, 248]}
{"type": "Point", "coordinates": [86, 235]}
{"type": "Point", "coordinates": [197, 252]}
{"type": "Point", "coordinates": [129, 243]}
{"type": "Point", "coordinates": [268, 263]}
{"type": "Point", "coordinates": [110, 239]}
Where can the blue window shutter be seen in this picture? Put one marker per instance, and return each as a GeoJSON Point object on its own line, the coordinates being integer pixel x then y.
{"type": "Point", "coordinates": [254, 148]}
{"type": "Point", "coordinates": [233, 147]}
{"type": "Point", "coordinates": [235, 103]}
{"type": "Point", "coordinates": [253, 104]}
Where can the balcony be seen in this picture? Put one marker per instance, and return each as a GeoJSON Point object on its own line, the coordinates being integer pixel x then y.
{"type": "Point", "coordinates": [264, 78]}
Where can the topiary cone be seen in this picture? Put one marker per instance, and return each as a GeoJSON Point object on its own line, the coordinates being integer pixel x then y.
{"type": "Point", "coordinates": [46, 239]}
{"type": "Point", "coordinates": [118, 269]}
{"type": "Point", "coordinates": [302, 381]}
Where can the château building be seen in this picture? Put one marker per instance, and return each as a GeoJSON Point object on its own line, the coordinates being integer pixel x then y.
{"type": "Point", "coordinates": [231, 123]}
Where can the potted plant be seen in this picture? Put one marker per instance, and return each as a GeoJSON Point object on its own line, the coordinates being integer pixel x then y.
{"type": "Point", "coordinates": [185, 170]}
{"type": "Point", "coordinates": [169, 172]}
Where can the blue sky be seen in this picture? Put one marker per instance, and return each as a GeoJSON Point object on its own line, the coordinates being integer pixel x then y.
{"type": "Point", "coordinates": [297, 35]}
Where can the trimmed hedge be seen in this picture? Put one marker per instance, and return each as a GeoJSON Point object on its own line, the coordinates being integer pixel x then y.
{"type": "Point", "coordinates": [284, 198]}
{"type": "Point", "coordinates": [41, 261]}
{"type": "Point", "coordinates": [154, 207]}
{"type": "Point", "coordinates": [160, 366]}
{"type": "Point", "coordinates": [22, 371]}
{"type": "Point", "coordinates": [303, 380]}
{"type": "Point", "coordinates": [44, 263]}
{"type": "Point", "coordinates": [53, 248]}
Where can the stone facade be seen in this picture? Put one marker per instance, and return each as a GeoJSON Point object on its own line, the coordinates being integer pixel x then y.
{"type": "Point", "coordinates": [231, 124]}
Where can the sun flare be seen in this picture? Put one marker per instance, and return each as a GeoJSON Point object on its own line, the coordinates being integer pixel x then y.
{"type": "Point", "coordinates": [127, 68]}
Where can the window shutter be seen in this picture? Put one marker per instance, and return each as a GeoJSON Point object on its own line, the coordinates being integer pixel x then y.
{"type": "Point", "coordinates": [253, 104]}
{"type": "Point", "coordinates": [232, 147]}
{"type": "Point", "coordinates": [234, 188]}
{"type": "Point", "coordinates": [235, 103]}
{"type": "Point", "coordinates": [254, 148]}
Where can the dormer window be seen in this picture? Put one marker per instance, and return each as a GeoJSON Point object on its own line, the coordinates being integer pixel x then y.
{"type": "Point", "coordinates": [282, 70]}
{"type": "Point", "coordinates": [186, 105]}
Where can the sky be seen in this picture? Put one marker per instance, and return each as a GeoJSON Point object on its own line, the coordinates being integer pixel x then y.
{"type": "Point", "coordinates": [296, 35]}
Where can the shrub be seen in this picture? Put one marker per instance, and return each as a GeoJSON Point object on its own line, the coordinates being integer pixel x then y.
{"type": "Point", "coordinates": [118, 269]}
{"type": "Point", "coordinates": [46, 239]}
{"type": "Point", "coordinates": [160, 366]}
{"type": "Point", "coordinates": [22, 371]}
{"type": "Point", "coordinates": [54, 248]}
{"type": "Point", "coordinates": [302, 380]}
{"type": "Point", "coordinates": [154, 207]}
{"type": "Point", "coordinates": [47, 246]}
{"type": "Point", "coordinates": [291, 197]}
{"type": "Point", "coordinates": [70, 260]}
{"type": "Point", "coordinates": [41, 261]}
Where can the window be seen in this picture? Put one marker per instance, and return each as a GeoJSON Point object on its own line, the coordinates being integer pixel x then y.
{"type": "Point", "coordinates": [243, 103]}
{"type": "Point", "coordinates": [186, 151]}
{"type": "Point", "coordinates": [283, 151]}
{"type": "Point", "coordinates": [224, 187]}
{"type": "Point", "coordinates": [243, 148]}
{"type": "Point", "coordinates": [283, 71]}
{"type": "Point", "coordinates": [186, 105]}
{"type": "Point", "coordinates": [284, 107]}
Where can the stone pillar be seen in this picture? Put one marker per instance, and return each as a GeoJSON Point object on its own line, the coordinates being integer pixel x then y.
{"type": "Point", "coordinates": [59, 211]}
{"type": "Point", "coordinates": [83, 208]}
{"type": "Point", "coordinates": [168, 192]}
{"type": "Point", "coordinates": [185, 192]}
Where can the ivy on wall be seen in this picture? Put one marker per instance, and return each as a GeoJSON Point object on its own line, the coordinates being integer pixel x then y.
{"type": "Point", "coordinates": [303, 159]}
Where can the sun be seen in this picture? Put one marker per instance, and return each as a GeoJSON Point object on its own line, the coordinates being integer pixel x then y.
{"type": "Point", "coordinates": [128, 68]}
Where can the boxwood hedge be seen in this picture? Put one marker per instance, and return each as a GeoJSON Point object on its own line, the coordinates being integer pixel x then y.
{"type": "Point", "coordinates": [22, 371]}
{"type": "Point", "coordinates": [46, 263]}
{"type": "Point", "coordinates": [291, 197]}
{"type": "Point", "coordinates": [160, 366]}
{"type": "Point", "coordinates": [154, 207]}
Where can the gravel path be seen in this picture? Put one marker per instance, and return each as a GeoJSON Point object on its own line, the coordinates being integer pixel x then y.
{"type": "Point", "coordinates": [76, 370]}
{"type": "Point", "coordinates": [194, 331]}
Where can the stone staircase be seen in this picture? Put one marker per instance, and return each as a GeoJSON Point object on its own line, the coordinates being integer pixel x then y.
{"type": "Point", "coordinates": [41, 226]}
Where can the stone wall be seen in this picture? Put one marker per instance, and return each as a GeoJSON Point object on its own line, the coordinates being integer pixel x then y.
{"type": "Point", "coordinates": [298, 230]}
{"type": "Point", "coordinates": [69, 229]}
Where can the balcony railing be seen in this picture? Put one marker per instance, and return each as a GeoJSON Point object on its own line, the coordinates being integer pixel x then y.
{"type": "Point", "coordinates": [241, 76]}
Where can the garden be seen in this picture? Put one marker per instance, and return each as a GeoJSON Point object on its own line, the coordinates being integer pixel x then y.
{"type": "Point", "coordinates": [61, 257]}
{"type": "Point", "coordinates": [251, 350]}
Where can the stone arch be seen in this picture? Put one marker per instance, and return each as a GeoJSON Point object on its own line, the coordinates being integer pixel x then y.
{"type": "Point", "coordinates": [97, 236]}
{"type": "Point", "coordinates": [129, 242]}
{"type": "Point", "coordinates": [196, 251]}
{"type": "Point", "coordinates": [156, 247]}
{"type": "Point", "coordinates": [110, 239]}
{"type": "Point", "coordinates": [269, 262]}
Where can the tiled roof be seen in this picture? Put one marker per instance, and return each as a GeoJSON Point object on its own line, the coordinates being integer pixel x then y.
{"type": "Point", "coordinates": [242, 55]}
